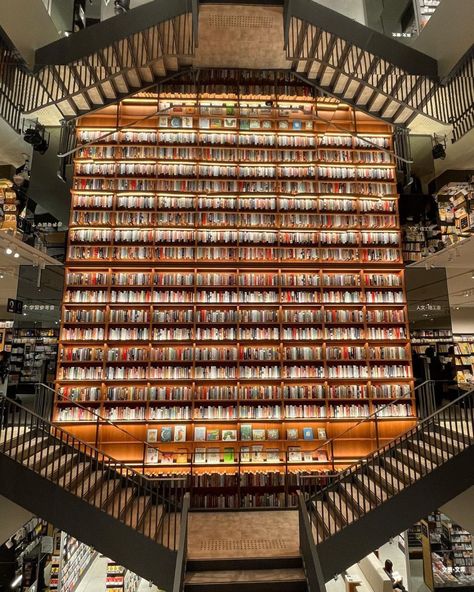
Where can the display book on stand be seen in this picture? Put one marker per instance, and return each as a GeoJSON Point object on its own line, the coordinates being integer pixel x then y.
{"type": "Point", "coordinates": [448, 556]}
{"type": "Point", "coordinates": [70, 561]}
{"type": "Point", "coordinates": [234, 289]}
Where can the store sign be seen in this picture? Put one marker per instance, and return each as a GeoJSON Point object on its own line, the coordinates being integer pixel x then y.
{"type": "Point", "coordinates": [15, 306]}
{"type": "Point", "coordinates": [429, 307]}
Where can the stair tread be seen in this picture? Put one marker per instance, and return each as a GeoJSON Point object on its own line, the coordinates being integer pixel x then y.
{"type": "Point", "coordinates": [71, 474]}
{"type": "Point", "coordinates": [408, 472]}
{"type": "Point", "coordinates": [22, 449]}
{"type": "Point", "coordinates": [104, 492]}
{"type": "Point", "coordinates": [373, 487]}
{"type": "Point", "coordinates": [342, 507]}
{"type": "Point", "coordinates": [249, 575]}
{"type": "Point", "coordinates": [430, 450]}
{"type": "Point", "coordinates": [417, 458]}
{"type": "Point", "coordinates": [151, 521]}
{"type": "Point", "coordinates": [449, 440]}
{"type": "Point", "coordinates": [57, 464]}
{"type": "Point", "coordinates": [41, 456]}
{"type": "Point", "coordinates": [357, 496]}
{"type": "Point", "coordinates": [137, 510]}
{"type": "Point", "coordinates": [388, 478]}
{"type": "Point", "coordinates": [326, 516]}
{"type": "Point", "coordinates": [119, 502]}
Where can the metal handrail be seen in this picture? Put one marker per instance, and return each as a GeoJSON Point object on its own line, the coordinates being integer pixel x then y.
{"type": "Point", "coordinates": [94, 476]}
{"type": "Point", "coordinates": [99, 417]}
{"type": "Point", "coordinates": [372, 416]}
{"type": "Point", "coordinates": [180, 569]}
{"type": "Point", "coordinates": [459, 413]}
{"type": "Point", "coordinates": [329, 441]}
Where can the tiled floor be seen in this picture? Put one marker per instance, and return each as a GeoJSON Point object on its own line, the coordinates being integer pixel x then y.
{"type": "Point", "coordinates": [250, 534]}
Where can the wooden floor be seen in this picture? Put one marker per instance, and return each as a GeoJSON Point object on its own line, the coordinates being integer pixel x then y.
{"type": "Point", "coordinates": [221, 535]}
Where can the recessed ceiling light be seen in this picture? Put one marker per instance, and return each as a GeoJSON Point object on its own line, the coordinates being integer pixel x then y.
{"type": "Point", "coordinates": [8, 251]}
{"type": "Point", "coordinates": [16, 255]}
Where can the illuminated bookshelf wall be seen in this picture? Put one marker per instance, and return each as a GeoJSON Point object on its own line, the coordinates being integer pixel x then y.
{"type": "Point", "coordinates": [234, 286]}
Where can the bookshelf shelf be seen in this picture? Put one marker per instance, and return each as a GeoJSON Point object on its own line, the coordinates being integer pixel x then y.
{"type": "Point", "coordinates": [234, 264]}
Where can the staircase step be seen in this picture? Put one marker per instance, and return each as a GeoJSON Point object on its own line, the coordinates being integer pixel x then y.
{"type": "Point", "coordinates": [459, 431]}
{"type": "Point", "coordinates": [15, 435]}
{"type": "Point", "coordinates": [74, 471]}
{"type": "Point", "coordinates": [151, 521]}
{"type": "Point", "coordinates": [416, 464]}
{"type": "Point", "coordinates": [254, 580]}
{"type": "Point", "coordinates": [401, 467]}
{"type": "Point", "coordinates": [341, 507]}
{"type": "Point", "coordinates": [104, 493]}
{"type": "Point", "coordinates": [41, 458]}
{"type": "Point", "coordinates": [372, 489]}
{"type": "Point", "coordinates": [58, 466]}
{"type": "Point", "coordinates": [325, 517]}
{"type": "Point", "coordinates": [357, 497]}
{"type": "Point", "coordinates": [27, 448]}
{"type": "Point", "coordinates": [449, 442]}
{"type": "Point", "coordinates": [137, 510]}
{"type": "Point", "coordinates": [86, 486]}
{"type": "Point", "coordinates": [120, 502]}
{"type": "Point", "coordinates": [387, 479]}
{"type": "Point", "coordinates": [432, 453]}
{"type": "Point", "coordinates": [244, 563]}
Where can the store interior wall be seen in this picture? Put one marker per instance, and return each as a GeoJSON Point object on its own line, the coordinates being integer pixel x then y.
{"type": "Point", "coordinates": [386, 16]}
{"type": "Point", "coordinates": [448, 34]}
{"type": "Point", "coordinates": [461, 509]}
{"type": "Point", "coordinates": [28, 25]}
{"type": "Point", "coordinates": [12, 518]}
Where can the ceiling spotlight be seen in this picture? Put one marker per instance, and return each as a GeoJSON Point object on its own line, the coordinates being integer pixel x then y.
{"type": "Point", "coordinates": [1, 276]}
{"type": "Point", "coordinates": [456, 308]}
{"type": "Point", "coordinates": [466, 294]}
{"type": "Point", "coordinates": [472, 275]}
{"type": "Point", "coordinates": [8, 251]}
{"type": "Point", "coordinates": [16, 255]}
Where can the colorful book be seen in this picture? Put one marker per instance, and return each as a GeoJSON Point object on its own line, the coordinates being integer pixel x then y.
{"type": "Point", "coordinates": [294, 454]}
{"type": "Point", "coordinates": [257, 453]}
{"type": "Point", "coordinates": [273, 455]}
{"type": "Point", "coordinates": [229, 435]}
{"type": "Point", "coordinates": [213, 434]}
{"type": "Point", "coordinates": [322, 434]}
{"type": "Point", "coordinates": [200, 433]}
{"type": "Point", "coordinates": [308, 434]}
{"type": "Point", "coordinates": [245, 454]}
{"type": "Point", "coordinates": [246, 431]}
{"type": "Point", "coordinates": [152, 435]}
{"type": "Point", "coordinates": [258, 434]}
{"type": "Point", "coordinates": [180, 433]}
{"type": "Point", "coordinates": [166, 434]}
{"type": "Point", "coordinates": [151, 455]}
{"type": "Point", "coordinates": [229, 455]}
{"type": "Point", "coordinates": [292, 433]}
{"type": "Point", "coordinates": [273, 434]}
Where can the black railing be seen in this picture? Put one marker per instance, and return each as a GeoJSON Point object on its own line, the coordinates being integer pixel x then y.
{"type": "Point", "coordinates": [93, 476]}
{"type": "Point", "coordinates": [309, 553]}
{"type": "Point", "coordinates": [425, 394]}
{"type": "Point", "coordinates": [180, 570]}
{"type": "Point", "coordinates": [437, 439]}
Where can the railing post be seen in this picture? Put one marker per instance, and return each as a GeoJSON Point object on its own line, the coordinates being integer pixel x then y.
{"type": "Point", "coordinates": [377, 439]}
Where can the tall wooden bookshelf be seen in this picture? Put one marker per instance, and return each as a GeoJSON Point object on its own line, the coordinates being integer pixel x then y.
{"type": "Point", "coordinates": [234, 286]}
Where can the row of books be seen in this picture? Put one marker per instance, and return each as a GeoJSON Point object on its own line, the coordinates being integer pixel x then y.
{"type": "Point", "coordinates": [283, 237]}
{"type": "Point", "coordinates": [232, 372]}
{"type": "Point", "coordinates": [237, 295]}
{"type": "Point", "coordinates": [182, 354]}
{"type": "Point", "coordinates": [235, 254]}
{"type": "Point", "coordinates": [237, 220]}
{"type": "Point", "coordinates": [241, 171]}
{"type": "Point", "coordinates": [361, 188]}
{"type": "Point", "coordinates": [309, 154]}
{"type": "Point", "coordinates": [274, 278]}
{"type": "Point", "coordinates": [328, 203]}
{"type": "Point", "coordinates": [243, 392]}
{"type": "Point", "coordinates": [231, 138]}
{"type": "Point", "coordinates": [233, 334]}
